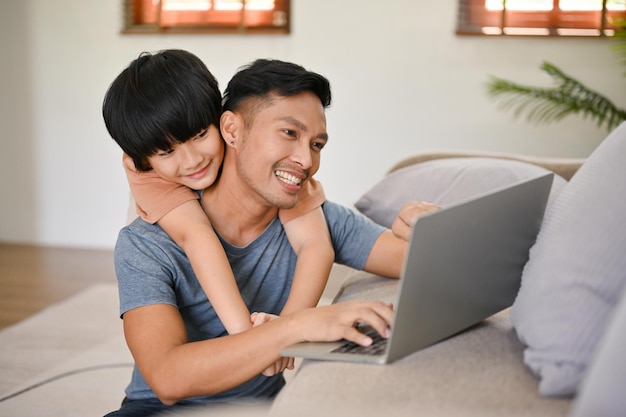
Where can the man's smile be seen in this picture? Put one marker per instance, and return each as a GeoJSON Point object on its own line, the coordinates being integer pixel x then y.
{"type": "Point", "coordinates": [288, 178]}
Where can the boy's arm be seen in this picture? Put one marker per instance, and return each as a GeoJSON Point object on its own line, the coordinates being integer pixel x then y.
{"type": "Point", "coordinates": [154, 196]}
{"type": "Point", "coordinates": [191, 229]}
{"type": "Point", "coordinates": [177, 210]}
{"type": "Point", "coordinates": [309, 237]}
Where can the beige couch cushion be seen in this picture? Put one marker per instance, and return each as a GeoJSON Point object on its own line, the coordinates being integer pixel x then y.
{"type": "Point", "coordinates": [476, 373]}
{"type": "Point", "coordinates": [576, 272]}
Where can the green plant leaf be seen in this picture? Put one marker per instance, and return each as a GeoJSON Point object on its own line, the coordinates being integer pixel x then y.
{"type": "Point", "coordinates": [548, 105]}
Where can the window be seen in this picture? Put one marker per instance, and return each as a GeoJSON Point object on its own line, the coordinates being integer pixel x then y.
{"type": "Point", "coordinates": [206, 16]}
{"type": "Point", "coordinates": [541, 17]}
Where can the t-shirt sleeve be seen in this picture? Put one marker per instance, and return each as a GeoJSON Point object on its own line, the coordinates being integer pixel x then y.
{"type": "Point", "coordinates": [143, 269]}
{"type": "Point", "coordinates": [353, 235]}
{"type": "Point", "coordinates": [310, 197]}
{"type": "Point", "coordinates": [154, 196]}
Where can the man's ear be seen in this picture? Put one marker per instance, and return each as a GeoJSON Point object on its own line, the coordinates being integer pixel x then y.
{"type": "Point", "coordinates": [231, 127]}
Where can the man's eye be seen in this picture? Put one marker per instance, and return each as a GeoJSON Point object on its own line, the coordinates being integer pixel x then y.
{"type": "Point", "coordinates": [318, 145]}
{"type": "Point", "coordinates": [166, 153]}
{"type": "Point", "coordinates": [289, 132]}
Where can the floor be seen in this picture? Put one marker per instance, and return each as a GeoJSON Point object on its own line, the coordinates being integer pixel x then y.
{"type": "Point", "coordinates": [34, 277]}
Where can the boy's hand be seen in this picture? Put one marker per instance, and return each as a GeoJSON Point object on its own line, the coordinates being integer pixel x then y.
{"type": "Point", "coordinates": [407, 216]}
{"type": "Point", "coordinates": [281, 364]}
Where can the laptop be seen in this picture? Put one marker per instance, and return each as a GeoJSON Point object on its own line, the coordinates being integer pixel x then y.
{"type": "Point", "coordinates": [464, 263]}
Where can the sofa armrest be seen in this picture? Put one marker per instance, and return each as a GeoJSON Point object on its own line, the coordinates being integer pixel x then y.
{"type": "Point", "coordinates": [565, 167]}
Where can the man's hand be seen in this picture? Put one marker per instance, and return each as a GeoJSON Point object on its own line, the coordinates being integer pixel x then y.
{"type": "Point", "coordinates": [281, 364]}
{"type": "Point", "coordinates": [338, 321]}
{"type": "Point", "coordinates": [407, 216]}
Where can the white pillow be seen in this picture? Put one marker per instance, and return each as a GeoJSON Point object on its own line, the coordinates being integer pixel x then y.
{"type": "Point", "coordinates": [602, 390]}
{"type": "Point", "coordinates": [576, 271]}
{"type": "Point", "coordinates": [445, 181]}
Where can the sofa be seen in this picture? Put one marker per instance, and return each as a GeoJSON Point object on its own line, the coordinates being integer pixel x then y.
{"type": "Point", "coordinates": [557, 351]}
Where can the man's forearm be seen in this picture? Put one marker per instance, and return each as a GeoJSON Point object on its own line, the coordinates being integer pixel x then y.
{"type": "Point", "coordinates": [387, 256]}
{"type": "Point", "coordinates": [176, 369]}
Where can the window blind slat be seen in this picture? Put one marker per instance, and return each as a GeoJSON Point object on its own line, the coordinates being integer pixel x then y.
{"type": "Point", "coordinates": [595, 18]}
{"type": "Point", "coordinates": [182, 16]}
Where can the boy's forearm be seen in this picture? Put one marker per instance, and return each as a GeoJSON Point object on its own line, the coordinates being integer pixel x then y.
{"type": "Point", "coordinates": [191, 229]}
{"type": "Point", "coordinates": [315, 260]}
{"type": "Point", "coordinates": [211, 266]}
{"type": "Point", "coordinates": [310, 239]}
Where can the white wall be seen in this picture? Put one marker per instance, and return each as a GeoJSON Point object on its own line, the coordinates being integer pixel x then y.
{"type": "Point", "coordinates": [402, 82]}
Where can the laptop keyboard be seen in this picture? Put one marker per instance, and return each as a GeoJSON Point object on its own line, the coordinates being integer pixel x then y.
{"type": "Point", "coordinates": [376, 348]}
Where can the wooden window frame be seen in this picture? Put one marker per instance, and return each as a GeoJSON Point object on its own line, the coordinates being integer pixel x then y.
{"type": "Point", "coordinates": [147, 16]}
{"type": "Point", "coordinates": [474, 19]}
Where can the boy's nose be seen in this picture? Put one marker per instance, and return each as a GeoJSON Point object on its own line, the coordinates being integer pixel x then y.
{"type": "Point", "coordinates": [189, 157]}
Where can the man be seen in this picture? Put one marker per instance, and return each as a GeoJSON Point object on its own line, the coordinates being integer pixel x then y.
{"type": "Point", "coordinates": [274, 128]}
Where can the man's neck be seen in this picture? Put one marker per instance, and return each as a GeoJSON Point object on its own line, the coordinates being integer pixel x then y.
{"type": "Point", "coordinates": [235, 212]}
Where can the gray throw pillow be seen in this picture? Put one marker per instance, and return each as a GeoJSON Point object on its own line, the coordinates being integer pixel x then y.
{"type": "Point", "coordinates": [576, 271]}
{"type": "Point", "coordinates": [602, 390]}
{"type": "Point", "coordinates": [445, 181]}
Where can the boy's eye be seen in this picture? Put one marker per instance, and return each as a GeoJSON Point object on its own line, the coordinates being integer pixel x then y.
{"type": "Point", "coordinates": [202, 134]}
{"type": "Point", "coordinates": [289, 132]}
{"type": "Point", "coordinates": [166, 153]}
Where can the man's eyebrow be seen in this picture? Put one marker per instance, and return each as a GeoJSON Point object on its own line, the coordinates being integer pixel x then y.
{"type": "Point", "coordinates": [302, 126]}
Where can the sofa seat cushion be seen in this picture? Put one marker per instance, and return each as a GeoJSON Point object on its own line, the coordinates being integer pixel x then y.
{"type": "Point", "coordinates": [476, 373]}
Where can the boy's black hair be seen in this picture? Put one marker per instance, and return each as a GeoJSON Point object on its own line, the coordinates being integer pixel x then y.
{"type": "Point", "coordinates": [265, 77]}
{"type": "Point", "coordinates": [161, 99]}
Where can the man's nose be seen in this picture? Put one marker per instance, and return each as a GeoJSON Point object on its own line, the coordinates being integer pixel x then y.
{"type": "Point", "coordinates": [302, 155]}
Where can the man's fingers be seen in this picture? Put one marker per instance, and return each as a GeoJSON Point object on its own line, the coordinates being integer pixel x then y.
{"type": "Point", "coordinates": [407, 216]}
{"type": "Point", "coordinates": [337, 321]}
{"type": "Point", "coordinates": [378, 315]}
{"type": "Point", "coordinates": [401, 229]}
{"type": "Point", "coordinates": [354, 335]}
{"type": "Point", "coordinates": [413, 209]}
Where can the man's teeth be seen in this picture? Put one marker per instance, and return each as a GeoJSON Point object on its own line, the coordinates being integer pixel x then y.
{"type": "Point", "coordinates": [288, 177]}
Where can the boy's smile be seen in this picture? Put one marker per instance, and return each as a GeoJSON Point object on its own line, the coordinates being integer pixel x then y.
{"type": "Point", "coordinates": [200, 174]}
{"type": "Point", "coordinates": [194, 163]}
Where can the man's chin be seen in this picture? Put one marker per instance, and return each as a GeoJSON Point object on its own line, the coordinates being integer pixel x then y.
{"type": "Point", "coordinates": [286, 204]}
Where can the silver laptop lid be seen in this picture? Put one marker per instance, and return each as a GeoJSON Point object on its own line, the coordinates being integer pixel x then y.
{"type": "Point", "coordinates": [464, 264]}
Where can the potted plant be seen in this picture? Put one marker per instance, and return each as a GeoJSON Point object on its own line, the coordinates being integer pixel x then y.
{"type": "Point", "coordinates": [567, 97]}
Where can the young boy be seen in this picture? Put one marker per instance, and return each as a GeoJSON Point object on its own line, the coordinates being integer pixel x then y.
{"type": "Point", "coordinates": [164, 112]}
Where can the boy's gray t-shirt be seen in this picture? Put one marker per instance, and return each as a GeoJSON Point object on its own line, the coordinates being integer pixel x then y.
{"type": "Point", "coordinates": [152, 269]}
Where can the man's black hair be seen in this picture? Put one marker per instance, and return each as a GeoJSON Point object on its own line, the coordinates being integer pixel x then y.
{"type": "Point", "coordinates": [266, 77]}
{"type": "Point", "coordinates": [161, 99]}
